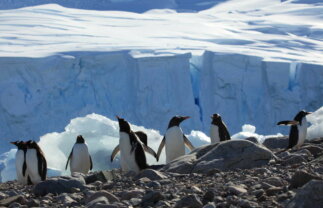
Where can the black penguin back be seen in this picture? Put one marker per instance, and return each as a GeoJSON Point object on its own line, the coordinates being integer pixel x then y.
{"type": "Point", "coordinates": [140, 156]}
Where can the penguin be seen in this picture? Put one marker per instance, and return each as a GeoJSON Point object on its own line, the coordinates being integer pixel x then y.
{"type": "Point", "coordinates": [218, 130]}
{"type": "Point", "coordinates": [175, 140]}
{"type": "Point", "coordinates": [36, 163]}
{"type": "Point", "coordinates": [80, 157]}
{"type": "Point", "coordinates": [21, 167]}
{"type": "Point", "coordinates": [132, 149]}
{"type": "Point", "coordinates": [298, 130]}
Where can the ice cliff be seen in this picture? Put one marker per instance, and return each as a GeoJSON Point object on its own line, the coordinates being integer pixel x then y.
{"type": "Point", "coordinates": [41, 95]}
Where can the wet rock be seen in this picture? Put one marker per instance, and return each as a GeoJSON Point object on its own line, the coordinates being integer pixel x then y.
{"type": "Point", "coordinates": [208, 197]}
{"type": "Point", "coordinates": [302, 177]}
{"type": "Point", "coordinates": [310, 195]}
{"type": "Point", "coordinates": [190, 201]}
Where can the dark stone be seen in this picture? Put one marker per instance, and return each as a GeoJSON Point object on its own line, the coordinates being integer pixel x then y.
{"type": "Point", "coordinates": [19, 199]}
{"type": "Point", "coordinates": [151, 198]}
{"type": "Point", "coordinates": [190, 201]}
{"type": "Point", "coordinates": [276, 142]}
{"type": "Point", "coordinates": [151, 174]}
{"type": "Point", "coordinates": [253, 139]}
{"type": "Point", "coordinates": [273, 191]}
{"type": "Point", "coordinates": [314, 150]}
{"type": "Point", "coordinates": [63, 184]}
{"type": "Point", "coordinates": [302, 177]}
{"type": "Point", "coordinates": [295, 159]}
{"type": "Point", "coordinates": [310, 195]}
{"type": "Point", "coordinates": [208, 197]}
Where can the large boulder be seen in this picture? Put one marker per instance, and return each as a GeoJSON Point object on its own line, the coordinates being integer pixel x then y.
{"type": "Point", "coordinates": [310, 195]}
{"type": "Point", "coordinates": [58, 185]}
{"type": "Point", "coordinates": [276, 142]}
{"type": "Point", "coordinates": [226, 155]}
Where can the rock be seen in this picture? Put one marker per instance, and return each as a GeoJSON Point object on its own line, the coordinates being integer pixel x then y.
{"type": "Point", "coordinates": [273, 190]}
{"type": "Point", "coordinates": [33, 203]}
{"type": "Point", "coordinates": [237, 190]}
{"type": "Point", "coordinates": [295, 159]}
{"type": "Point", "coordinates": [19, 199]}
{"type": "Point", "coordinates": [315, 150]}
{"type": "Point", "coordinates": [65, 199]}
{"type": "Point", "coordinates": [151, 198]}
{"type": "Point", "coordinates": [190, 201]}
{"type": "Point", "coordinates": [234, 154]}
{"type": "Point", "coordinates": [210, 205]}
{"type": "Point", "coordinates": [226, 155]}
{"type": "Point", "coordinates": [127, 195]}
{"type": "Point", "coordinates": [110, 197]}
{"type": "Point", "coordinates": [253, 139]}
{"type": "Point", "coordinates": [151, 174]}
{"type": "Point", "coordinates": [302, 177]}
{"type": "Point", "coordinates": [246, 204]}
{"type": "Point", "coordinates": [153, 184]}
{"type": "Point", "coordinates": [63, 184]}
{"type": "Point", "coordinates": [208, 197]}
{"type": "Point", "coordinates": [310, 195]}
{"type": "Point", "coordinates": [102, 176]}
{"type": "Point", "coordinates": [275, 181]}
{"type": "Point", "coordinates": [98, 200]}
{"type": "Point", "coordinates": [276, 142]}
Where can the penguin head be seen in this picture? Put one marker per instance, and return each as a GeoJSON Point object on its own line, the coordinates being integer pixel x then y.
{"type": "Point", "coordinates": [176, 120]}
{"type": "Point", "coordinates": [216, 119]}
{"type": "Point", "coordinates": [80, 139]}
{"type": "Point", "coordinates": [123, 125]}
{"type": "Point", "coordinates": [31, 144]}
{"type": "Point", "coordinates": [19, 144]}
{"type": "Point", "coordinates": [300, 115]}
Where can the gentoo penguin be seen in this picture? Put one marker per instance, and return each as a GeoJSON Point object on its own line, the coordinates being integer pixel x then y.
{"type": "Point", "coordinates": [80, 157]}
{"type": "Point", "coordinates": [36, 163]}
{"type": "Point", "coordinates": [21, 167]}
{"type": "Point", "coordinates": [175, 140]}
{"type": "Point", "coordinates": [132, 149]}
{"type": "Point", "coordinates": [298, 130]}
{"type": "Point", "coordinates": [218, 130]}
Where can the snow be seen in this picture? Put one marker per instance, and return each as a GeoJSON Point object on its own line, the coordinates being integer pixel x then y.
{"type": "Point", "coordinates": [316, 128]}
{"type": "Point", "coordinates": [101, 135]}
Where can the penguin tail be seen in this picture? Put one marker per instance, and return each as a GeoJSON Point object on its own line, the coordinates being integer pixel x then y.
{"type": "Point", "coordinates": [288, 123]}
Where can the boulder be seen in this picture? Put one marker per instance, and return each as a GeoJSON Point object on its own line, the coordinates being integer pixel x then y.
{"type": "Point", "coordinates": [276, 142]}
{"type": "Point", "coordinates": [58, 185]}
{"type": "Point", "coordinates": [310, 195]}
{"type": "Point", "coordinates": [226, 155]}
{"type": "Point", "coordinates": [300, 178]}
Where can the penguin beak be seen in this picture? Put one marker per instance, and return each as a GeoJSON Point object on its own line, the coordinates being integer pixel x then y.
{"type": "Point", "coordinates": [308, 113]}
{"type": "Point", "coordinates": [12, 142]}
{"type": "Point", "coordinates": [118, 117]}
{"type": "Point", "coordinates": [186, 117]}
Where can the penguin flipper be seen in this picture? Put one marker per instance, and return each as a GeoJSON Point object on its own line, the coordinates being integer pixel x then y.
{"type": "Point", "coordinates": [160, 148]}
{"type": "Point", "coordinates": [288, 123]}
{"type": "Point", "coordinates": [188, 143]}
{"type": "Point", "coordinates": [142, 136]}
{"type": "Point", "coordinates": [115, 152]}
{"type": "Point", "coordinates": [68, 159]}
{"type": "Point", "coordinates": [150, 151]}
{"type": "Point", "coordinates": [91, 166]}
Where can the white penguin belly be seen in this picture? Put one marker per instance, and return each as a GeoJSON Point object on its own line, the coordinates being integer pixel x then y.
{"type": "Point", "coordinates": [127, 157]}
{"type": "Point", "coordinates": [80, 161]}
{"type": "Point", "coordinates": [32, 166]}
{"type": "Point", "coordinates": [174, 146]}
{"type": "Point", "coordinates": [20, 158]}
{"type": "Point", "coordinates": [302, 132]}
{"type": "Point", "coordinates": [214, 133]}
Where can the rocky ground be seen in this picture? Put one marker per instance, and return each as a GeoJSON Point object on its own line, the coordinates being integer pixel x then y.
{"type": "Point", "coordinates": [230, 174]}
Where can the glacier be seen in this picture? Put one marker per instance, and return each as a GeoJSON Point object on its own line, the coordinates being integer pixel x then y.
{"type": "Point", "coordinates": [255, 62]}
